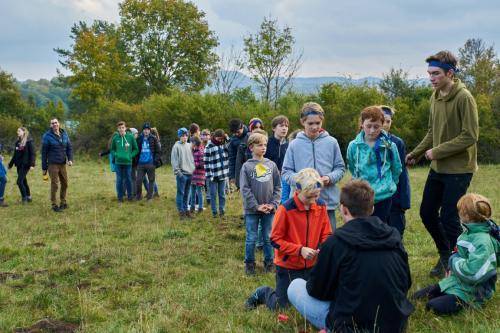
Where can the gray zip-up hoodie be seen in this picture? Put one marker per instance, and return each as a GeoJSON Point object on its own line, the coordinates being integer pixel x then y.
{"type": "Point", "coordinates": [182, 159]}
{"type": "Point", "coordinates": [322, 154]}
{"type": "Point", "coordinates": [259, 184]}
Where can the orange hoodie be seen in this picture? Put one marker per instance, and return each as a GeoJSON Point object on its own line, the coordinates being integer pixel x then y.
{"type": "Point", "coordinates": [295, 227]}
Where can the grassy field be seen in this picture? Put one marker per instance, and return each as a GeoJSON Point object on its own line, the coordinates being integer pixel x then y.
{"type": "Point", "coordinates": [134, 267]}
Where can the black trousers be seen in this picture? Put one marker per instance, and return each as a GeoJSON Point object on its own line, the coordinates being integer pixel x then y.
{"type": "Point", "coordinates": [142, 170]}
{"type": "Point", "coordinates": [397, 218]}
{"type": "Point", "coordinates": [382, 209]}
{"type": "Point", "coordinates": [438, 210]}
{"type": "Point", "coordinates": [22, 182]}
{"type": "Point", "coordinates": [278, 298]}
{"type": "Point", "coordinates": [439, 302]}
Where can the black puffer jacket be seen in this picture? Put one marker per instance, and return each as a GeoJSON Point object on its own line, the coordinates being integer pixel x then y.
{"type": "Point", "coordinates": [363, 269]}
{"type": "Point", "coordinates": [23, 156]}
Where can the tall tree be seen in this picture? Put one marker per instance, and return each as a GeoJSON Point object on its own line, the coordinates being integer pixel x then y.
{"type": "Point", "coordinates": [272, 60]}
{"type": "Point", "coordinates": [396, 83]}
{"type": "Point", "coordinates": [480, 66]}
{"type": "Point", "coordinates": [98, 62]}
{"type": "Point", "coordinates": [228, 75]}
{"type": "Point", "coordinates": [11, 103]}
{"type": "Point", "coordinates": [170, 43]}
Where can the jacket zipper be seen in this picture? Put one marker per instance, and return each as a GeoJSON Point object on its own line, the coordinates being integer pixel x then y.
{"type": "Point", "coordinates": [314, 155]}
{"type": "Point", "coordinates": [307, 236]}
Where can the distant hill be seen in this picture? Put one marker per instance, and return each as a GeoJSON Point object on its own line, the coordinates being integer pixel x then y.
{"type": "Point", "coordinates": [42, 91]}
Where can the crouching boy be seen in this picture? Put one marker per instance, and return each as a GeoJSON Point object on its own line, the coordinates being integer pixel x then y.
{"type": "Point", "coordinates": [300, 225]}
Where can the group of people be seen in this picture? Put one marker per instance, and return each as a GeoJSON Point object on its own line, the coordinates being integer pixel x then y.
{"type": "Point", "coordinates": [355, 277]}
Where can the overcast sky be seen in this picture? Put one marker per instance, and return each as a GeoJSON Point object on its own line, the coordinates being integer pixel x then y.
{"type": "Point", "coordinates": [355, 38]}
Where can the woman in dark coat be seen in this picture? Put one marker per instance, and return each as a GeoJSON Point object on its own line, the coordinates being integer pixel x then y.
{"type": "Point", "coordinates": [24, 160]}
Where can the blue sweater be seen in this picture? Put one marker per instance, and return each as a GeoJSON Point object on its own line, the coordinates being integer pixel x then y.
{"type": "Point", "coordinates": [56, 149]}
{"type": "Point", "coordinates": [3, 172]}
{"type": "Point", "coordinates": [402, 197]}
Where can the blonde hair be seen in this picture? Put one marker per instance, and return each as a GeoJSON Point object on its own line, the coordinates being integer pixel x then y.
{"type": "Point", "coordinates": [155, 133]}
{"type": "Point", "coordinates": [474, 207]}
{"type": "Point", "coordinates": [256, 138]}
{"type": "Point", "coordinates": [25, 136]}
{"type": "Point", "coordinates": [308, 180]}
{"type": "Point", "coordinates": [312, 108]}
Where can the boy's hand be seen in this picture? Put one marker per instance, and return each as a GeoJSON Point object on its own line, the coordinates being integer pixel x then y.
{"type": "Point", "coordinates": [410, 160]}
{"type": "Point", "coordinates": [262, 209]}
{"type": "Point", "coordinates": [325, 180]}
{"type": "Point", "coordinates": [308, 253]}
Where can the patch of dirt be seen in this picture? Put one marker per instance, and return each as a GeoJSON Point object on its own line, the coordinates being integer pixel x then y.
{"type": "Point", "coordinates": [83, 285]}
{"type": "Point", "coordinates": [6, 275]}
{"type": "Point", "coordinates": [38, 244]}
{"type": "Point", "coordinates": [48, 325]}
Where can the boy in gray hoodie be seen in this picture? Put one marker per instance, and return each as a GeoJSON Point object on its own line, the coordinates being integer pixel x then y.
{"type": "Point", "coordinates": [183, 165]}
{"type": "Point", "coordinates": [315, 148]}
{"type": "Point", "coordinates": [260, 186]}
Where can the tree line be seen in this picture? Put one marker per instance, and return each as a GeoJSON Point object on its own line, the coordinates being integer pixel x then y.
{"type": "Point", "coordinates": [154, 64]}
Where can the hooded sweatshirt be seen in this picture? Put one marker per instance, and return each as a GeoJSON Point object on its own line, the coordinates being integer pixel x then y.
{"type": "Point", "coordinates": [381, 169]}
{"type": "Point", "coordinates": [363, 270]}
{"type": "Point", "coordinates": [124, 148]}
{"type": "Point", "coordinates": [260, 183]}
{"type": "Point", "coordinates": [323, 154]}
{"type": "Point", "coordinates": [182, 159]}
{"type": "Point", "coordinates": [453, 132]}
{"type": "Point", "coordinates": [473, 267]}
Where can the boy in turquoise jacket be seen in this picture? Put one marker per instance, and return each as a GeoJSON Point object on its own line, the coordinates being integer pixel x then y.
{"type": "Point", "coordinates": [472, 274]}
{"type": "Point", "coordinates": [373, 157]}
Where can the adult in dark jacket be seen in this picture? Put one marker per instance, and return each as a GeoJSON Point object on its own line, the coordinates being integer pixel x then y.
{"type": "Point", "coordinates": [238, 131]}
{"type": "Point", "coordinates": [56, 153]}
{"type": "Point", "coordinates": [24, 160]}
{"type": "Point", "coordinates": [401, 199]}
{"type": "Point", "coordinates": [361, 279]}
{"type": "Point", "coordinates": [146, 160]}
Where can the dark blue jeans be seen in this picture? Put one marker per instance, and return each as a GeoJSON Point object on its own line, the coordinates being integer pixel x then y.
{"type": "Point", "coordinates": [196, 197]}
{"type": "Point", "coordinates": [382, 210]}
{"type": "Point", "coordinates": [183, 184]}
{"type": "Point", "coordinates": [124, 181]}
{"type": "Point", "coordinates": [438, 209]}
{"type": "Point", "coordinates": [252, 222]}
{"type": "Point", "coordinates": [3, 182]}
{"type": "Point", "coordinates": [397, 219]}
{"type": "Point", "coordinates": [218, 190]}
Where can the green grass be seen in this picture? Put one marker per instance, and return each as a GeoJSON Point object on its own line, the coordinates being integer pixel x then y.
{"type": "Point", "coordinates": [136, 268]}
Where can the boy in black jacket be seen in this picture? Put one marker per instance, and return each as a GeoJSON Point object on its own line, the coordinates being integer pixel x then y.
{"type": "Point", "coordinates": [362, 277]}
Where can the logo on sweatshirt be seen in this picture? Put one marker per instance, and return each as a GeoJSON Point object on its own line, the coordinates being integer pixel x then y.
{"type": "Point", "coordinates": [262, 173]}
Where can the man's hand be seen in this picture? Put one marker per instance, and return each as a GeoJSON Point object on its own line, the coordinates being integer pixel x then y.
{"type": "Point", "coordinates": [325, 180]}
{"type": "Point", "coordinates": [308, 253]}
{"type": "Point", "coordinates": [410, 160]}
{"type": "Point", "coordinates": [429, 155]}
{"type": "Point", "coordinates": [70, 163]}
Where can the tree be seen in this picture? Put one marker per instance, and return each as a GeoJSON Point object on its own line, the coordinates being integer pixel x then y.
{"type": "Point", "coordinates": [11, 103]}
{"type": "Point", "coordinates": [480, 67]}
{"type": "Point", "coordinates": [228, 75]}
{"type": "Point", "coordinates": [170, 43]}
{"type": "Point", "coordinates": [99, 64]}
{"type": "Point", "coordinates": [272, 60]}
{"type": "Point", "coordinates": [396, 84]}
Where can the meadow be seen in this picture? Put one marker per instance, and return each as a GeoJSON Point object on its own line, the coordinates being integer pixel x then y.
{"type": "Point", "coordinates": [135, 267]}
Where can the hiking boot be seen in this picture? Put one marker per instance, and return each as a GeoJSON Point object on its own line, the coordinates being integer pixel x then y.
{"type": "Point", "coordinates": [63, 206]}
{"type": "Point", "coordinates": [250, 268]}
{"type": "Point", "coordinates": [441, 266]}
{"type": "Point", "coordinates": [182, 215]}
{"type": "Point", "coordinates": [28, 199]}
{"type": "Point", "coordinates": [214, 215]}
{"type": "Point", "coordinates": [257, 298]}
{"type": "Point", "coordinates": [56, 208]}
{"type": "Point", "coordinates": [156, 195]}
{"type": "Point", "coordinates": [3, 204]}
{"type": "Point", "coordinates": [268, 267]}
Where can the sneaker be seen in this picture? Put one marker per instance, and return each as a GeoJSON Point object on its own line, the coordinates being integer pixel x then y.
{"type": "Point", "coordinates": [28, 198]}
{"type": "Point", "coordinates": [201, 210]}
{"type": "Point", "coordinates": [221, 214]}
{"type": "Point", "coordinates": [156, 195]}
{"type": "Point", "coordinates": [214, 215]}
{"type": "Point", "coordinates": [63, 206]}
{"type": "Point", "coordinates": [120, 200]}
{"type": "Point", "coordinates": [56, 208]}
{"type": "Point", "coordinates": [256, 298]}
{"type": "Point", "coordinates": [268, 267]}
{"type": "Point", "coordinates": [439, 270]}
{"type": "Point", "coordinates": [250, 268]}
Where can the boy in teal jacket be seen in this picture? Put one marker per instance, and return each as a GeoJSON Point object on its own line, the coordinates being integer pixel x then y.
{"type": "Point", "coordinates": [373, 157]}
{"type": "Point", "coordinates": [472, 274]}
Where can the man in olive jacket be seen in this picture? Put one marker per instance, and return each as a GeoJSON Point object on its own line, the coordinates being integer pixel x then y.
{"type": "Point", "coordinates": [451, 146]}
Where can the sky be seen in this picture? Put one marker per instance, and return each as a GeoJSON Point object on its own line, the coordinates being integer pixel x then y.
{"type": "Point", "coordinates": [356, 38]}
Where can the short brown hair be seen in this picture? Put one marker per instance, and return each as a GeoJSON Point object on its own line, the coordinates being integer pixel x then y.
{"type": "Point", "coordinates": [444, 56]}
{"type": "Point", "coordinates": [219, 133]}
{"type": "Point", "coordinates": [311, 108]}
{"type": "Point", "coordinates": [279, 120]}
{"type": "Point", "coordinates": [358, 197]}
{"type": "Point", "coordinates": [121, 123]}
{"type": "Point", "coordinates": [474, 207]}
{"type": "Point", "coordinates": [374, 113]}
{"type": "Point", "coordinates": [194, 128]}
{"type": "Point", "coordinates": [256, 138]}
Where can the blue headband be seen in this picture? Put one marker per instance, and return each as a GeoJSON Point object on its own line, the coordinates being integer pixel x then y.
{"type": "Point", "coordinates": [299, 187]}
{"type": "Point", "coordinates": [387, 111]}
{"type": "Point", "coordinates": [444, 66]}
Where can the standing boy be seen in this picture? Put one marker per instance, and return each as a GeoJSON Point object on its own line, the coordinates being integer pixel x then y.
{"type": "Point", "coordinates": [451, 146]}
{"type": "Point", "coordinates": [238, 131]}
{"type": "Point", "coordinates": [124, 149]}
{"type": "Point", "coordinates": [261, 189]}
{"type": "Point", "coordinates": [183, 165]}
{"type": "Point", "coordinates": [147, 160]}
{"type": "Point", "coordinates": [217, 170]}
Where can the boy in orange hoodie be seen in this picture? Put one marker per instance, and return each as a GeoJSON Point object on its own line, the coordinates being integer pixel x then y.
{"type": "Point", "coordinates": [300, 225]}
